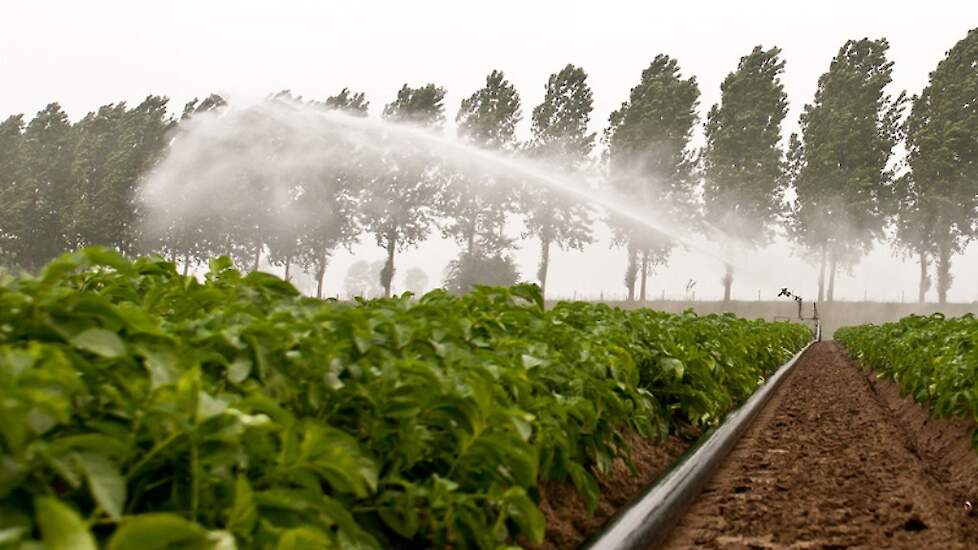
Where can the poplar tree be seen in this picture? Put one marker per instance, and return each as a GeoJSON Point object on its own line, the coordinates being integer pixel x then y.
{"type": "Point", "coordinates": [11, 177]}
{"type": "Point", "coordinates": [114, 148]}
{"type": "Point", "coordinates": [97, 178]}
{"type": "Point", "coordinates": [331, 200]}
{"type": "Point", "coordinates": [743, 164]}
{"type": "Point", "coordinates": [191, 239]}
{"type": "Point", "coordinates": [397, 203]}
{"type": "Point", "coordinates": [37, 207]}
{"type": "Point", "coordinates": [938, 198]}
{"type": "Point", "coordinates": [650, 162]}
{"type": "Point", "coordinates": [560, 138]}
{"type": "Point", "coordinates": [840, 162]}
{"type": "Point", "coordinates": [474, 205]}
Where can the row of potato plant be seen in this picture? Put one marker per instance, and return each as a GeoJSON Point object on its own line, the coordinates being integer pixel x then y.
{"type": "Point", "coordinates": [145, 409]}
{"type": "Point", "coordinates": [932, 358]}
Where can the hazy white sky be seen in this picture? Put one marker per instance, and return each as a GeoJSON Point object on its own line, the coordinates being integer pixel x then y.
{"type": "Point", "coordinates": [87, 53]}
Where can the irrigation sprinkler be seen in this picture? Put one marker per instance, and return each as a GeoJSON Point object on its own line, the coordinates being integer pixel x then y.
{"type": "Point", "coordinates": [800, 301]}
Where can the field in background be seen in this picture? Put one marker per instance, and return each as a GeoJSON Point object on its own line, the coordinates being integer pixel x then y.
{"type": "Point", "coordinates": [833, 315]}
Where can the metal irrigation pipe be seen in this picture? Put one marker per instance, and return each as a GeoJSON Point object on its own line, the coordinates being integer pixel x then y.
{"type": "Point", "coordinates": [648, 520]}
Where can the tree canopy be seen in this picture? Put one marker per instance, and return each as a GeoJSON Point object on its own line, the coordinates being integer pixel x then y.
{"type": "Point", "coordinates": [560, 137]}
{"type": "Point", "coordinates": [841, 163]}
{"type": "Point", "coordinates": [743, 163]}
{"type": "Point", "coordinates": [649, 161]}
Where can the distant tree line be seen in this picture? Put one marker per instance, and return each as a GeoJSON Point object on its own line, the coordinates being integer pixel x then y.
{"type": "Point", "coordinates": [835, 188]}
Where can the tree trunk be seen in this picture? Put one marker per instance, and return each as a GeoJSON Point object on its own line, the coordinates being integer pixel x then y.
{"type": "Point", "coordinates": [320, 276]}
{"type": "Point", "coordinates": [257, 257]}
{"type": "Point", "coordinates": [288, 264]}
{"type": "Point", "coordinates": [387, 274]}
{"type": "Point", "coordinates": [645, 275]}
{"type": "Point", "coordinates": [186, 265]}
{"type": "Point", "coordinates": [924, 279]}
{"type": "Point", "coordinates": [544, 264]}
{"type": "Point", "coordinates": [470, 242]}
{"type": "Point", "coordinates": [821, 275]}
{"type": "Point", "coordinates": [944, 278]}
{"type": "Point", "coordinates": [727, 282]}
{"type": "Point", "coordinates": [631, 272]}
{"type": "Point", "coordinates": [833, 262]}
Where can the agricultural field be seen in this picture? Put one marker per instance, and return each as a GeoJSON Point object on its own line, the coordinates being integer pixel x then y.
{"type": "Point", "coordinates": [146, 409]}
{"type": "Point", "coordinates": [295, 276]}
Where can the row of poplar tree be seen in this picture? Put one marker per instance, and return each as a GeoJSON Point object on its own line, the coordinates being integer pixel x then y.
{"type": "Point", "coordinates": [836, 188]}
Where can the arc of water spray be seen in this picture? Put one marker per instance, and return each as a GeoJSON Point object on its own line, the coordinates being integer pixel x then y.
{"type": "Point", "coordinates": [200, 155]}
{"type": "Point", "coordinates": [518, 167]}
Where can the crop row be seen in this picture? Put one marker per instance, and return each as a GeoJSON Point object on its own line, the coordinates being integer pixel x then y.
{"type": "Point", "coordinates": [933, 358]}
{"type": "Point", "coordinates": [145, 409]}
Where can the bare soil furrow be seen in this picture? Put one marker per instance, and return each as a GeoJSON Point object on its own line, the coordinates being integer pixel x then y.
{"type": "Point", "coordinates": [831, 462]}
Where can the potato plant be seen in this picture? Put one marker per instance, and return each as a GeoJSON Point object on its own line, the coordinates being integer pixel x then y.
{"type": "Point", "coordinates": [932, 358]}
{"type": "Point", "coordinates": [145, 409]}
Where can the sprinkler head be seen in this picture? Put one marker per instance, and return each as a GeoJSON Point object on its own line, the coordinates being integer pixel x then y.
{"type": "Point", "coordinates": [969, 508]}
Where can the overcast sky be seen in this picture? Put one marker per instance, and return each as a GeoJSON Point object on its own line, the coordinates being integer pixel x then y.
{"type": "Point", "coordinates": [87, 53]}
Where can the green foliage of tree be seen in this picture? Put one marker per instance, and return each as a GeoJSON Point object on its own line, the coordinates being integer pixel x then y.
{"type": "Point", "coordinates": [40, 201]}
{"type": "Point", "coordinates": [363, 279]}
{"type": "Point", "coordinates": [560, 138]}
{"type": "Point", "coordinates": [480, 267]}
{"type": "Point", "coordinates": [319, 214]}
{"type": "Point", "coordinates": [937, 201]}
{"type": "Point", "coordinates": [354, 103]}
{"type": "Point", "coordinates": [475, 206]}
{"type": "Point", "coordinates": [650, 163]}
{"type": "Point", "coordinates": [11, 179]}
{"type": "Point", "coordinates": [840, 164]}
{"type": "Point", "coordinates": [209, 103]}
{"type": "Point", "coordinates": [192, 241]}
{"type": "Point", "coordinates": [397, 205]}
{"type": "Point", "coordinates": [115, 147]}
{"type": "Point", "coordinates": [331, 201]}
{"type": "Point", "coordinates": [743, 163]}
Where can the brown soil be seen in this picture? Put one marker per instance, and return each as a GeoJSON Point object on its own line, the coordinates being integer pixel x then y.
{"type": "Point", "coordinates": [943, 443]}
{"type": "Point", "coordinates": [833, 463]}
{"type": "Point", "coordinates": [569, 522]}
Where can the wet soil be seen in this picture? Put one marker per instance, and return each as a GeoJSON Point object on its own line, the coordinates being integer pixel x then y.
{"type": "Point", "coordinates": [838, 460]}
{"type": "Point", "coordinates": [568, 521]}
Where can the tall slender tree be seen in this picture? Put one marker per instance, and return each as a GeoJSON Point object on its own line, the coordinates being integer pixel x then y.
{"type": "Point", "coordinates": [115, 146]}
{"type": "Point", "coordinates": [331, 199]}
{"type": "Point", "coordinates": [347, 101]}
{"type": "Point", "coordinates": [650, 162]}
{"type": "Point", "coordinates": [561, 138]}
{"type": "Point", "coordinates": [475, 206]}
{"type": "Point", "coordinates": [743, 163]}
{"type": "Point", "coordinates": [938, 201]}
{"type": "Point", "coordinates": [915, 223]}
{"type": "Point", "coordinates": [37, 206]}
{"type": "Point", "coordinates": [841, 166]}
{"type": "Point", "coordinates": [11, 177]}
{"type": "Point", "coordinates": [97, 174]}
{"type": "Point", "coordinates": [145, 138]}
{"type": "Point", "coordinates": [397, 203]}
{"type": "Point", "coordinates": [190, 239]}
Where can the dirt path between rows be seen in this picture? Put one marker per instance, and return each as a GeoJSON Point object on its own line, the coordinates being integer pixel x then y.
{"type": "Point", "coordinates": [827, 465]}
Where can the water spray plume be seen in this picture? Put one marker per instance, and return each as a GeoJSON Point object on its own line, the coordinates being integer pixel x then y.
{"type": "Point", "coordinates": [235, 161]}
